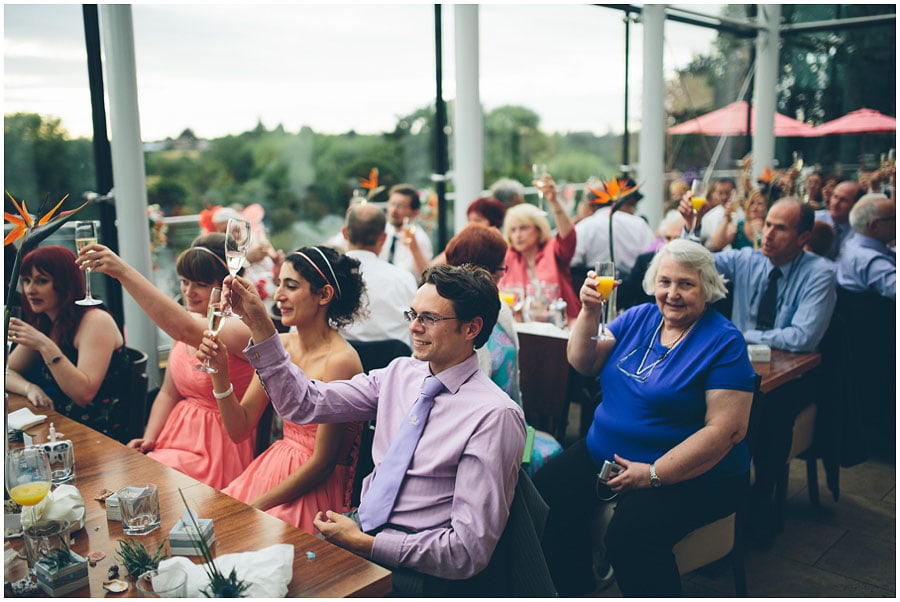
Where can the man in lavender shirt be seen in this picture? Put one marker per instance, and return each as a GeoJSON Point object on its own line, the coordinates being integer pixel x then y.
{"type": "Point", "coordinates": [455, 498]}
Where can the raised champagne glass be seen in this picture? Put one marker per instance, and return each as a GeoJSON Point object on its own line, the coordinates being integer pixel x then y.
{"type": "Point", "coordinates": [409, 229]}
{"type": "Point", "coordinates": [237, 243]}
{"type": "Point", "coordinates": [86, 234]}
{"type": "Point", "coordinates": [698, 200]}
{"type": "Point", "coordinates": [215, 320]}
{"type": "Point", "coordinates": [538, 171]}
{"type": "Point", "coordinates": [606, 281]}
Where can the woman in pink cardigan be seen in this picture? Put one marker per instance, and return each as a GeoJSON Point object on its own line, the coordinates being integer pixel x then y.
{"type": "Point", "coordinates": [536, 256]}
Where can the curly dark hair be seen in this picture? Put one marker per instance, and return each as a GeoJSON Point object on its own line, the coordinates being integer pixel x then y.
{"type": "Point", "coordinates": [321, 265]}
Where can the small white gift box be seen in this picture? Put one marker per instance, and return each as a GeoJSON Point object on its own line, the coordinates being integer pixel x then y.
{"type": "Point", "coordinates": [184, 539]}
{"type": "Point", "coordinates": [58, 581]}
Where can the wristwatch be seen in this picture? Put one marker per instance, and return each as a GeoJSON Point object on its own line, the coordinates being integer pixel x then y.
{"type": "Point", "coordinates": [654, 480]}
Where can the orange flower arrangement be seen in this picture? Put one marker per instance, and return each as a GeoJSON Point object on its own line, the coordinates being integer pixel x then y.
{"type": "Point", "coordinates": [206, 218]}
{"type": "Point", "coordinates": [370, 183]}
{"type": "Point", "coordinates": [611, 193]}
{"type": "Point", "coordinates": [32, 232]}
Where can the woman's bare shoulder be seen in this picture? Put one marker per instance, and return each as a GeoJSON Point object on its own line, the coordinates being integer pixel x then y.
{"type": "Point", "coordinates": [99, 323]}
{"type": "Point", "coordinates": [344, 362]}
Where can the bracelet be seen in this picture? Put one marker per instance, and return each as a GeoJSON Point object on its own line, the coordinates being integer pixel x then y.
{"type": "Point", "coordinates": [225, 393]}
{"type": "Point", "coordinates": [53, 360]}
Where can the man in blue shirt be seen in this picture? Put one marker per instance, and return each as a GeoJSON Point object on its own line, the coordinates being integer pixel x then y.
{"type": "Point", "coordinates": [792, 317]}
{"type": "Point", "coordinates": [867, 263]}
{"type": "Point", "coordinates": [837, 215]}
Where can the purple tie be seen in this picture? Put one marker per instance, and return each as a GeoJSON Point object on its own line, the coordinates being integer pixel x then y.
{"type": "Point", "coordinates": [375, 509]}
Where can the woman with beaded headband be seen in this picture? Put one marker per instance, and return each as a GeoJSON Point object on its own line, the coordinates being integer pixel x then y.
{"type": "Point", "coordinates": [312, 467]}
{"type": "Point", "coordinates": [184, 429]}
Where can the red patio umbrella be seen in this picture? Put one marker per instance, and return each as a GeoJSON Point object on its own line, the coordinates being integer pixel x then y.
{"type": "Point", "coordinates": [731, 120]}
{"type": "Point", "coordinates": [862, 121]}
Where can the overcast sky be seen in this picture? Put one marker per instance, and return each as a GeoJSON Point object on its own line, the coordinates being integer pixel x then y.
{"type": "Point", "coordinates": [218, 69]}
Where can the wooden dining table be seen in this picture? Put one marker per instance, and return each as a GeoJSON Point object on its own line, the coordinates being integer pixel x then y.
{"type": "Point", "coordinates": [543, 367]}
{"type": "Point", "coordinates": [103, 463]}
{"type": "Point", "coordinates": [784, 367]}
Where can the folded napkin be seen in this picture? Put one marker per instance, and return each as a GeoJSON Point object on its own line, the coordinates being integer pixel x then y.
{"type": "Point", "coordinates": [24, 418]}
{"type": "Point", "coordinates": [268, 572]}
{"type": "Point", "coordinates": [63, 504]}
{"type": "Point", "coordinates": [547, 329]}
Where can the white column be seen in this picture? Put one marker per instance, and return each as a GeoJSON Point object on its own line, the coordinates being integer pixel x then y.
{"type": "Point", "coordinates": [468, 126]}
{"type": "Point", "coordinates": [651, 142]}
{"type": "Point", "coordinates": [128, 171]}
{"type": "Point", "coordinates": [767, 45]}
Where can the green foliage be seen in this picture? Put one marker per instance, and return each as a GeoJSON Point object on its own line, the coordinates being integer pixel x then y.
{"type": "Point", "coordinates": [41, 161]}
{"type": "Point", "coordinates": [300, 178]}
{"type": "Point", "coordinates": [135, 557]}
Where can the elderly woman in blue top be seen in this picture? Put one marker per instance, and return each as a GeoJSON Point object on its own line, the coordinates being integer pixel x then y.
{"type": "Point", "coordinates": [677, 387]}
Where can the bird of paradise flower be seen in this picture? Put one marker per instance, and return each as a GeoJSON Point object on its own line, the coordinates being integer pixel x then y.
{"type": "Point", "coordinates": [32, 231]}
{"type": "Point", "coordinates": [614, 192]}
{"type": "Point", "coordinates": [370, 183]}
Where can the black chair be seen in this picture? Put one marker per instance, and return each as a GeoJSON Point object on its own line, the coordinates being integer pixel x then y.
{"type": "Point", "coordinates": [373, 355]}
{"type": "Point", "coordinates": [378, 354]}
{"type": "Point", "coordinates": [517, 567]}
{"type": "Point", "coordinates": [870, 326]}
{"type": "Point", "coordinates": [823, 429]}
{"type": "Point", "coordinates": [136, 392]}
{"type": "Point", "coordinates": [264, 430]}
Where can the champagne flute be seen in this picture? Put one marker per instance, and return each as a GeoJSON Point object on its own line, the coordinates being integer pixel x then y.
{"type": "Point", "coordinates": [409, 229]}
{"type": "Point", "coordinates": [215, 320]}
{"type": "Point", "coordinates": [237, 243]}
{"type": "Point", "coordinates": [28, 480]}
{"type": "Point", "coordinates": [538, 171]}
{"type": "Point", "coordinates": [86, 234]}
{"type": "Point", "coordinates": [606, 281]}
{"type": "Point", "coordinates": [698, 200]}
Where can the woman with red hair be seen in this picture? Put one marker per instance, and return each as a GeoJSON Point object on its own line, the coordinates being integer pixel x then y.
{"type": "Point", "coordinates": [62, 351]}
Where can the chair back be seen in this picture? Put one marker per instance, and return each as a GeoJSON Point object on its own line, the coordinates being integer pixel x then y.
{"type": "Point", "coordinates": [378, 354]}
{"type": "Point", "coordinates": [137, 391]}
{"type": "Point", "coordinates": [870, 321]}
{"type": "Point", "coordinates": [544, 373]}
{"type": "Point", "coordinates": [264, 430]}
{"type": "Point", "coordinates": [373, 355]}
{"type": "Point", "coordinates": [518, 567]}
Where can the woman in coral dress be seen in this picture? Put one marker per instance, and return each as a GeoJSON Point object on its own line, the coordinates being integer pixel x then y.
{"type": "Point", "coordinates": [312, 467]}
{"type": "Point", "coordinates": [184, 430]}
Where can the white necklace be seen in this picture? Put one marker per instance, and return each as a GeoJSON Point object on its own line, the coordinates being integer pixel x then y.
{"type": "Point", "coordinates": [642, 368]}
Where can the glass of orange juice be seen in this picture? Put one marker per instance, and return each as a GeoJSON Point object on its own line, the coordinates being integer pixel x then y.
{"type": "Point", "coordinates": [28, 478]}
{"type": "Point", "coordinates": [514, 296]}
{"type": "Point", "coordinates": [606, 281]}
{"type": "Point", "coordinates": [698, 200]}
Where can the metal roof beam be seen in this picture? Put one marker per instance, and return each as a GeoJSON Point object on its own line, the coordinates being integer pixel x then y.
{"type": "Point", "coordinates": [833, 24]}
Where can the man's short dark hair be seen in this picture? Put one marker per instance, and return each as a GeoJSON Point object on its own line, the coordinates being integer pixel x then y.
{"type": "Point", "coordinates": [727, 181]}
{"type": "Point", "coordinates": [472, 292]}
{"type": "Point", "coordinates": [409, 192]}
{"type": "Point", "coordinates": [365, 225]}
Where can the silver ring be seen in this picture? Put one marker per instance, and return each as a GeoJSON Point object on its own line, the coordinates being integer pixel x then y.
{"type": "Point", "coordinates": [96, 262]}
